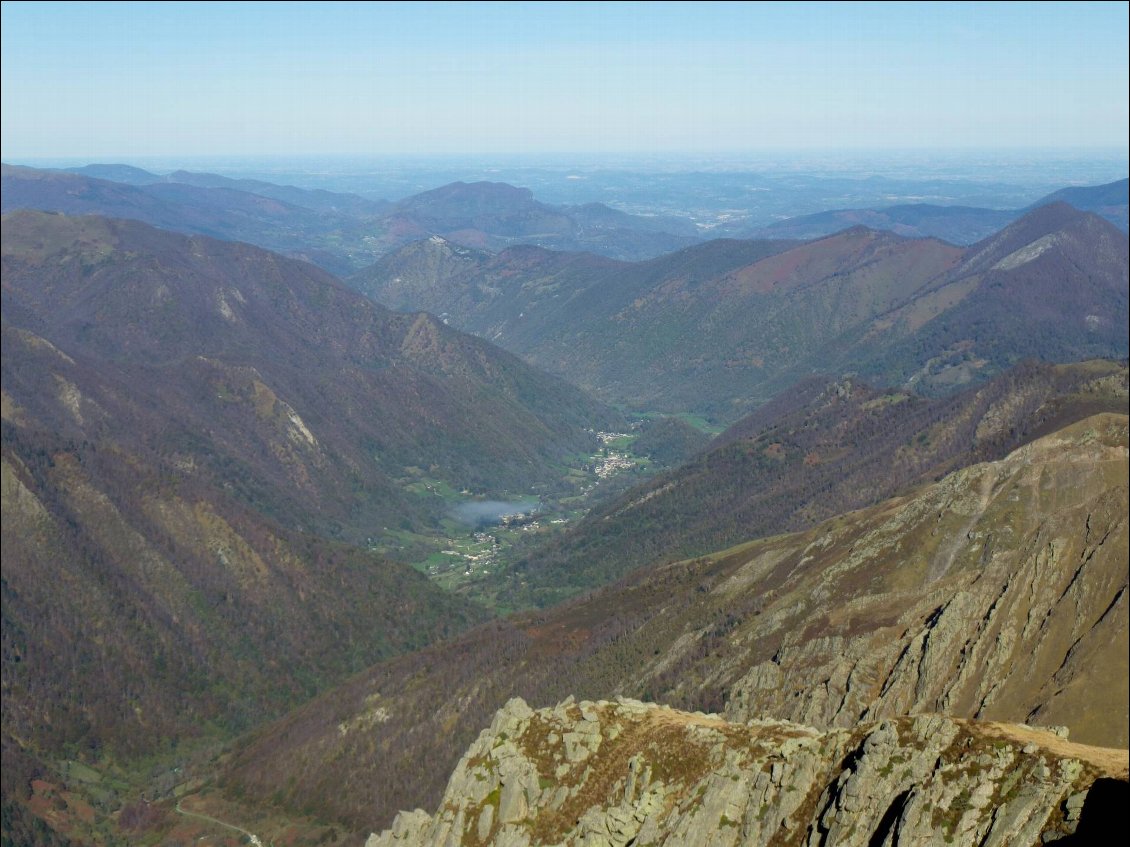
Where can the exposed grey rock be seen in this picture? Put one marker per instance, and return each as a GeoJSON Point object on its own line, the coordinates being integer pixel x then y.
{"type": "Point", "coordinates": [638, 774]}
{"type": "Point", "coordinates": [408, 828]}
{"type": "Point", "coordinates": [997, 602]}
{"type": "Point", "coordinates": [486, 822]}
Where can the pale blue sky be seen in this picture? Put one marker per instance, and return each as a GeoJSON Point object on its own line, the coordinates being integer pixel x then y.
{"type": "Point", "coordinates": [98, 80]}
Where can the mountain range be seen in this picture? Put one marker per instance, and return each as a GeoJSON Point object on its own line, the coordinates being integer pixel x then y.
{"type": "Point", "coordinates": [886, 595]}
{"type": "Point", "coordinates": [493, 215]}
{"type": "Point", "coordinates": [340, 232]}
{"type": "Point", "coordinates": [955, 224]}
{"type": "Point", "coordinates": [217, 212]}
{"type": "Point", "coordinates": [720, 327]}
{"type": "Point", "coordinates": [273, 352]}
{"type": "Point", "coordinates": [318, 200]}
{"type": "Point", "coordinates": [821, 448]}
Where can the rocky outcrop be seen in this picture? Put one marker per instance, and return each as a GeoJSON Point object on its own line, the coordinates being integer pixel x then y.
{"type": "Point", "coordinates": [613, 774]}
{"type": "Point", "coordinates": [998, 593]}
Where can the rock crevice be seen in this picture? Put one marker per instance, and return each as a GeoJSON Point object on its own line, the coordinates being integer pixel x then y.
{"type": "Point", "coordinates": [614, 774]}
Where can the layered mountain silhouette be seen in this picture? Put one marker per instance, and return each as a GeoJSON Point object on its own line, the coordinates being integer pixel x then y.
{"type": "Point", "coordinates": [1109, 200]}
{"type": "Point", "coordinates": [340, 232]}
{"type": "Point", "coordinates": [317, 199]}
{"type": "Point", "coordinates": [720, 327]}
{"type": "Point", "coordinates": [216, 211]}
{"type": "Point", "coordinates": [493, 215]}
{"type": "Point", "coordinates": [911, 538]}
{"type": "Point", "coordinates": [955, 224]}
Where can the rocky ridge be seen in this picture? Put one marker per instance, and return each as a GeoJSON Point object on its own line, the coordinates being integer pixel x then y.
{"type": "Point", "coordinates": [1009, 589]}
{"type": "Point", "coordinates": [612, 774]}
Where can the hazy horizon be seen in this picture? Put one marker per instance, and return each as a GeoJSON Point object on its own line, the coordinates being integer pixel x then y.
{"type": "Point", "coordinates": [113, 81]}
{"type": "Point", "coordinates": [707, 188]}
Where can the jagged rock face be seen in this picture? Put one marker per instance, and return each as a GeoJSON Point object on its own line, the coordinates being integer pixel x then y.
{"type": "Point", "coordinates": [610, 774]}
{"type": "Point", "coordinates": [1007, 600]}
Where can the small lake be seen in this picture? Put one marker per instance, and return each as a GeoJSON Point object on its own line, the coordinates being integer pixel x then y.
{"type": "Point", "coordinates": [490, 512]}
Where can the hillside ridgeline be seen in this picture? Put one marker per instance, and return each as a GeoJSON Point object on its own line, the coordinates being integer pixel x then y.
{"type": "Point", "coordinates": [721, 327]}
{"type": "Point", "coordinates": [340, 232]}
{"type": "Point", "coordinates": [816, 450]}
{"type": "Point", "coordinates": [955, 224]}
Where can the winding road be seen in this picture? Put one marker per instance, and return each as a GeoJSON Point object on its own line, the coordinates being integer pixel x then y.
{"type": "Point", "coordinates": [252, 837]}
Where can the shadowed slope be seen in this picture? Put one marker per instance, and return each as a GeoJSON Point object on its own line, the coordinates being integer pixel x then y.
{"type": "Point", "coordinates": [199, 437]}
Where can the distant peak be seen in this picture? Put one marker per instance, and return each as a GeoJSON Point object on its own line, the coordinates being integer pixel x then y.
{"type": "Point", "coordinates": [861, 235]}
{"type": "Point", "coordinates": [862, 231]}
{"type": "Point", "coordinates": [1050, 229]}
{"type": "Point", "coordinates": [1056, 213]}
{"type": "Point", "coordinates": [1037, 224]}
{"type": "Point", "coordinates": [481, 188]}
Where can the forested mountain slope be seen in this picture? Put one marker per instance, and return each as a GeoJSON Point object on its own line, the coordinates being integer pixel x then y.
{"type": "Point", "coordinates": [719, 328]}
{"type": "Point", "coordinates": [199, 440]}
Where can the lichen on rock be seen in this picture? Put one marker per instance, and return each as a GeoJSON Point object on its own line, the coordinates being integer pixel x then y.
{"type": "Point", "coordinates": [613, 774]}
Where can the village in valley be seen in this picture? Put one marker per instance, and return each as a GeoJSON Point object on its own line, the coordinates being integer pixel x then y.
{"type": "Point", "coordinates": [470, 555]}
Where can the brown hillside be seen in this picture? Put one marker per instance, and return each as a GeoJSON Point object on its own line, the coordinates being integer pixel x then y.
{"type": "Point", "coordinates": [816, 450]}
{"type": "Point", "coordinates": [199, 438]}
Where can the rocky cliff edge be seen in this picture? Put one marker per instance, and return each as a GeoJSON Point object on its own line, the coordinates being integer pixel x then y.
{"type": "Point", "coordinates": [613, 774]}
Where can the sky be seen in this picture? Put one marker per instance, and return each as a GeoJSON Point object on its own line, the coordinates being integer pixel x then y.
{"type": "Point", "coordinates": [98, 80]}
